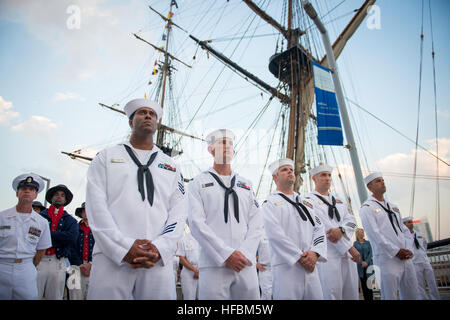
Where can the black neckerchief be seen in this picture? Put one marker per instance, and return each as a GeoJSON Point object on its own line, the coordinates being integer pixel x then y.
{"type": "Point", "coordinates": [229, 191]}
{"type": "Point", "coordinates": [144, 169]}
{"type": "Point", "coordinates": [332, 210]}
{"type": "Point", "coordinates": [302, 210]}
{"type": "Point", "coordinates": [416, 242]}
{"type": "Point", "coordinates": [390, 214]}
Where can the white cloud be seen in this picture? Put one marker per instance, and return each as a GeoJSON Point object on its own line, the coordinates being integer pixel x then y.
{"type": "Point", "coordinates": [60, 96]}
{"type": "Point", "coordinates": [6, 112]}
{"type": "Point", "coordinates": [397, 170]}
{"type": "Point", "coordinates": [426, 163]}
{"type": "Point", "coordinates": [400, 187]}
{"type": "Point", "coordinates": [37, 125]}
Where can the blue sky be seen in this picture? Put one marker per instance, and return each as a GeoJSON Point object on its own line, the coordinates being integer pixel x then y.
{"type": "Point", "coordinates": [52, 79]}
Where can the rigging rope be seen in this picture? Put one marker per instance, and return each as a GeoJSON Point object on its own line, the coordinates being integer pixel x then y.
{"type": "Point", "coordinates": [403, 135]}
{"type": "Point", "coordinates": [252, 125]}
{"type": "Point", "coordinates": [214, 83]}
{"type": "Point", "coordinates": [268, 152]}
{"type": "Point", "coordinates": [344, 188]}
{"type": "Point", "coordinates": [356, 127]}
{"type": "Point", "coordinates": [335, 7]}
{"type": "Point", "coordinates": [438, 206]}
{"type": "Point", "coordinates": [413, 190]}
{"type": "Point", "coordinates": [243, 53]}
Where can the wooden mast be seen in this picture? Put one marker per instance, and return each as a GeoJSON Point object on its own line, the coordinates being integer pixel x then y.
{"type": "Point", "coordinates": [293, 95]}
{"type": "Point", "coordinates": [297, 116]}
{"type": "Point", "coordinates": [165, 68]}
{"type": "Point", "coordinates": [302, 92]}
{"type": "Point", "coordinates": [307, 89]}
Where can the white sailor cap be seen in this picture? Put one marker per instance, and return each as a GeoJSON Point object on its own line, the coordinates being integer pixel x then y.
{"type": "Point", "coordinates": [320, 168]}
{"type": "Point", "coordinates": [131, 107]}
{"type": "Point", "coordinates": [372, 177]}
{"type": "Point", "coordinates": [28, 179]}
{"type": "Point", "coordinates": [274, 166]}
{"type": "Point", "coordinates": [219, 134]}
{"type": "Point", "coordinates": [406, 219]}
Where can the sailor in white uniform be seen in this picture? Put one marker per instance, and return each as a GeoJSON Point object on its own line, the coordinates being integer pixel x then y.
{"type": "Point", "coordinates": [224, 218]}
{"type": "Point", "coordinates": [424, 270]}
{"type": "Point", "coordinates": [391, 242]}
{"type": "Point", "coordinates": [264, 269]}
{"type": "Point", "coordinates": [339, 275]}
{"type": "Point", "coordinates": [188, 251]}
{"type": "Point", "coordinates": [24, 237]}
{"type": "Point", "coordinates": [136, 222]}
{"type": "Point", "coordinates": [296, 236]}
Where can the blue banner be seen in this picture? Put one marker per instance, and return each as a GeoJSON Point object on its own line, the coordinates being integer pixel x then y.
{"type": "Point", "coordinates": [328, 120]}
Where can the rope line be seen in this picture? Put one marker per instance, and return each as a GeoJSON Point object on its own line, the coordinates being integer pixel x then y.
{"type": "Point", "coordinates": [413, 190]}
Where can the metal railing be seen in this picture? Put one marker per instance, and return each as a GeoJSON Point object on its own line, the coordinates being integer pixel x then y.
{"type": "Point", "coordinates": [440, 261]}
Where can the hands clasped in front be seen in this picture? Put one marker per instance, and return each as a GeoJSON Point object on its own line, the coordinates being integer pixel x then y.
{"type": "Point", "coordinates": [404, 254]}
{"type": "Point", "coordinates": [334, 235]}
{"type": "Point", "coordinates": [85, 269]}
{"type": "Point", "coordinates": [142, 254]}
{"type": "Point", "coordinates": [356, 256]}
{"type": "Point", "coordinates": [308, 260]}
{"type": "Point", "coordinates": [236, 261]}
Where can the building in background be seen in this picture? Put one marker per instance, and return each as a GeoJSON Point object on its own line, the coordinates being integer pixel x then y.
{"type": "Point", "coordinates": [422, 225]}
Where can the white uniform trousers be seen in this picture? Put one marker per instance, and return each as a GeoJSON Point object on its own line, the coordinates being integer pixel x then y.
{"type": "Point", "coordinates": [51, 277]}
{"type": "Point", "coordinates": [79, 288]}
{"type": "Point", "coordinates": [424, 272]}
{"type": "Point", "coordinates": [18, 280]}
{"type": "Point", "coordinates": [339, 279]}
{"type": "Point", "coordinates": [293, 282]}
{"type": "Point", "coordinates": [189, 285]}
{"type": "Point", "coordinates": [265, 283]}
{"type": "Point", "coordinates": [175, 271]}
{"type": "Point", "coordinates": [396, 275]}
{"type": "Point", "coordinates": [108, 281]}
{"type": "Point", "coordinates": [221, 283]}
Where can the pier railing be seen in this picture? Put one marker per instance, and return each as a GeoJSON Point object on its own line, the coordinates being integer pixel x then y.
{"type": "Point", "coordinates": [440, 261]}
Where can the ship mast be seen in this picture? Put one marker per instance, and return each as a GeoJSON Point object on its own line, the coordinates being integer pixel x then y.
{"type": "Point", "coordinates": [166, 76]}
{"type": "Point", "coordinates": [292, 67]}
{"type": "Point", "coordinates": [165, 69]}
{"type": "Point", "coordinates": [300, 84]}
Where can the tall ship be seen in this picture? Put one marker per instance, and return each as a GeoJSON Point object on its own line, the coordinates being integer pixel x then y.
{"type": "Point", "coordinates": [255, 67]}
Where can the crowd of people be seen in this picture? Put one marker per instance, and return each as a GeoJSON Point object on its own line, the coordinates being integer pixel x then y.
{"type": "Point", "coordinates": [132, 232]}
